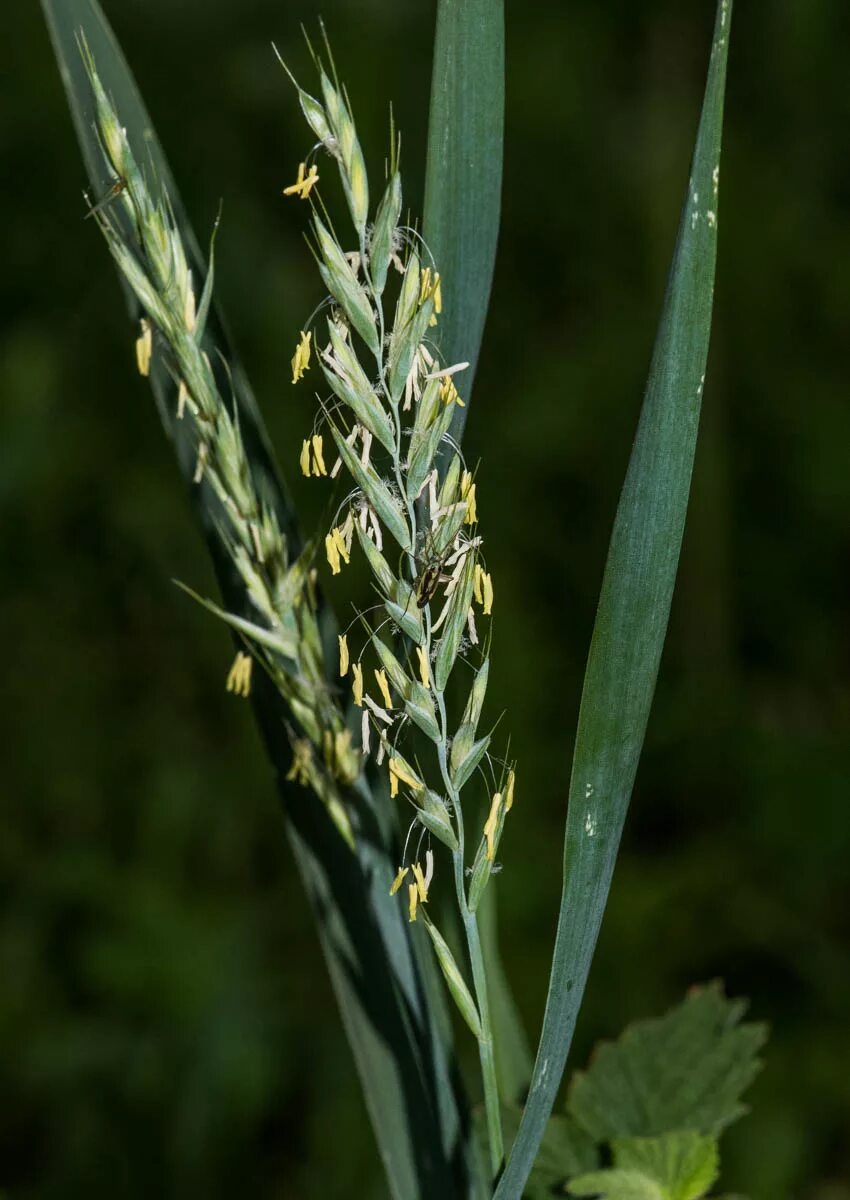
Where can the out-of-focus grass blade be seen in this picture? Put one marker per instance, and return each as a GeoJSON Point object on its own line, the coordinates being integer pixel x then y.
{"type": "Point", "coordinates": [631, 621]}
{"type": "Point", "coordinates": [383, 981]}
{"type": "Point", "coordinates": [463, 183]}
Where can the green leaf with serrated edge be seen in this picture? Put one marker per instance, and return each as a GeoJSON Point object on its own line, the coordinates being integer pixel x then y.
{"type": "Point", "coordinates": [350, 382]}
{"type": "Point", "coordinates": [685, 1070]}
{"type": "Point", "coordinates": [675, 1166]}
{"type": "Point", "coordinates": [466, 765]}
{"type": "Point", "coordinates": [631, 620]}
{"type": "Point", "coordinates": [615, 1184]}
{"type": "Point", "coordinates": [684, 1163]}
{"type": "Point", "coordinates": [400, 1042]}
{"type": "Point", "coordinates": [458, 602]}
{"type": "Point", "coordinates": [341, 282]}
{"type": "Point", "coordinates": [463, 183]}
{"type": "Point", "coordinates": [383, 232]}
{"type": "Point", "coordinates": [510, 1042]}
{"type": "Point", "coordinates": [434, 815]}
{"type": "Point", "coordinates": [375, 490]}
{"type": "Point", "coordinates": [454, 980]}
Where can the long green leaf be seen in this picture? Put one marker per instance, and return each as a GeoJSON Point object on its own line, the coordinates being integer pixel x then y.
{"type": "Point", "coordinates": [463, 183]}
{"type": "Point", "coordinates": [385, 985]}
{"type": "Point", "coordinates": [631, 621]}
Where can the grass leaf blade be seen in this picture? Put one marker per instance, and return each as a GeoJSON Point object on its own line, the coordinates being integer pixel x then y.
{"type": "Point", "coordinates": [631, 622]}
{"type": "Point", "coordinates": [463, 182]}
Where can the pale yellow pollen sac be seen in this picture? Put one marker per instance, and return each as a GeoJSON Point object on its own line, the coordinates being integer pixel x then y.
{"type": "Point", "coordinates": [393, 783]}
{"type": "Point", "coordinates": [467, 491]}
{"type": "Point", "coordinates": [381, 678]}
{"type": "Point", "coordinates": [509, 790]}
{"type": "Point", "coordinates": [304, 459]}
{"type": "Point", "coordinates": [429, 868]}
{"type": "Point", "coordinates": [305, 182]}
{"type": "Point", "coordinates": [357, 683]}
{"type": "Point", "coordinates": [343, 655]}
{"type": "Point", "coordinates": [301, 357]}
{"type": "Point", "coordinates": [425, 285]}
{"type": "Point", "coordinates": [421, 885]}
{"type": "Point", "coordinates": [491, 826]}
{"type": "Point", "coordinates": [341, 535]}
{"type": "Point", "coordinates": [332, 552]}
{"type": "Point", "coordinates": [487, 586]}
{"type": "Point", "coordinates": [424, 666]}
{"type": "Point", "coordinates": [144, 348]}
{"type": "Point", "coordinates": [449, 393]}
{"type": "Point", "coordinates": [239, 676]}
{"type": "Point", "coordinates": [412, 901]}
{"type": "Point", "coordinates": [400, 771]}
{"type": "Point", "coordinates": [477, 579]}
{"type": "Point", "coordinates": [399, 879]}
{"type": "Point", "coordinates": [319, 467]}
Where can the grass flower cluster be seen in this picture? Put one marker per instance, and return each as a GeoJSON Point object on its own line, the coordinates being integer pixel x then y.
{"type": "Point", "coordinates": [386, 403]}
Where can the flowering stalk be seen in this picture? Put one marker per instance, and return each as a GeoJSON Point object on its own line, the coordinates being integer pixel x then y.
{"type": "Point", "coordinates": [282, 631]}
{"type": "Point", "coordinates": [386, 407]}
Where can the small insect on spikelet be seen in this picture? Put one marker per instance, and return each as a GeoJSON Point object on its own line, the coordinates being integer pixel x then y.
{"type": "Point", "coordinates": [413, 511]}
{"type": "Point", "coordinates": [279, 614]}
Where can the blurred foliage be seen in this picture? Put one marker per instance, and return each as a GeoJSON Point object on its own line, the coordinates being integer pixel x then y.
{"type": "Point", "coordinates": [166, 1025]}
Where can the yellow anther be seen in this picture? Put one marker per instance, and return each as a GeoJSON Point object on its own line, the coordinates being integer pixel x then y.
{"type": "Point", "coordinates": [421, 885]}
{"type": "Point", "coordinates": [400, 770]}
{"type": "Point", "coordinates": [449, 393]}
{"type": "Point", "coordinates": [381, 677]}
{"type": "Point", "coordinates": [477, 579]}
{"type": "Point", "coordinates": [319, 467]}
{"type": "Point", "coordinates": [239, 676]}
{"type": "Point", "coordinates": [305, 182]}
{"type": "Point", "coordinates": [343, 655]}
{"type": "Point", "coordinates": [487, 587]}
{"type": "Point", "coordinates": [467, 491]}
{"type": "Point", "coordinates": [332, 552]}
{"type": "Point", "coordinates": [491, 826]}
{"type": "Point", "coordinates": [304, 460]}
{"type": "Point", "coordinates": [301, 357]}
{"type": "Point", "coordinates": [424, 666]}
{"type": "Point", "coordinates": [341, 544]}
{"type": "Point", "coordinates": [509, 790]}
{"type": "Point", "coordinates": [412, 901]}
{"type": "Point", "coordinates": [144, 348]}
{"type": "Point", "coordinates": [357, 683]}
{"type": "Point", "coordinates": [399, 879]}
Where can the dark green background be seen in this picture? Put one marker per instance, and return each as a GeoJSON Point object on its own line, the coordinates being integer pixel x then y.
{"type": "Point", "coordinates": [166, 1027]}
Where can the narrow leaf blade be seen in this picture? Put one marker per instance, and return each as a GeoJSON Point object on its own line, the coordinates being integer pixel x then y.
{"type": "Point", "coordinates": [463, 183]}
{"type": "Point", "coordinates": [631, 621]}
